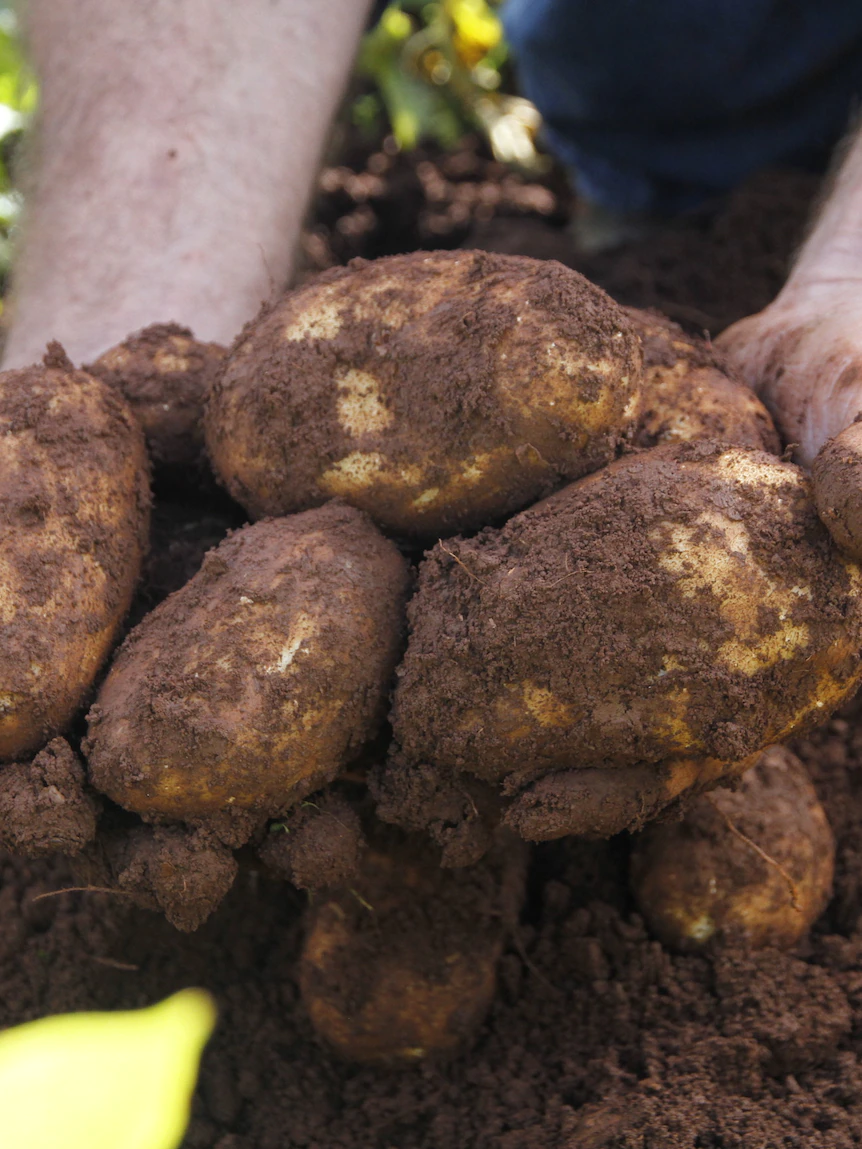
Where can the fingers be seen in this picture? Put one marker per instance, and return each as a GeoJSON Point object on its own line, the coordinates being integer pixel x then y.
{"type": "Point", "coordinates": [805, 362]}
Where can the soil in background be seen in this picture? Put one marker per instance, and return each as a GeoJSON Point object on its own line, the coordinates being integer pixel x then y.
{"type": "Point", "coordinates": [598, 1037]}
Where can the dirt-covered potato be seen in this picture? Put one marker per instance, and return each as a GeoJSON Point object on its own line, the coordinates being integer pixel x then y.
{"type": "Point", "coordinates": [687, 393]}
{"type": "Point", "coordinates": [74, 512]}
{"type": "Point", "coordinates": [649, 627]}
{"type": "Point", "coordinates": [402, 965]}
{"type": "Point", "coordinates": [436, 391]}
{"type": "Point", "coordinates": [252, 685]}
{"type": "Point", "coordinates": [165, 375]}
{"type": "Point", "coordinates": [707, 877]}
{"type": "Point", "coordinates": [837, 477]}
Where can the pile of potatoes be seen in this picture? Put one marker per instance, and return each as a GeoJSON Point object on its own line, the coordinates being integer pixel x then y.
{"type": "Point", "coordinates": [547, 539]}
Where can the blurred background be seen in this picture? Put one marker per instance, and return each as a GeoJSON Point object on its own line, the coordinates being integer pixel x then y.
{"type": "Point", "coordinates": [434, 148]}
{"type": "Point", "coordinates": [428, 75]}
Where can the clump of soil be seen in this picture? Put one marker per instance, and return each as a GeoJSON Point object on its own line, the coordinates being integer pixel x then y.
{"type": "Point", "coordinates": [316, 845]}
{"type": "Point", "coordinates": [44, 805]}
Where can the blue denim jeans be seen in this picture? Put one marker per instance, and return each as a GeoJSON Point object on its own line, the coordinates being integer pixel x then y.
{"type": "Point", "coordinates": [657, 106]}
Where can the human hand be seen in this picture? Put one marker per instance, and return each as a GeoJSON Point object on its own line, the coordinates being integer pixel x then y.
{"type": "Point", "coordinates": [803, 356]}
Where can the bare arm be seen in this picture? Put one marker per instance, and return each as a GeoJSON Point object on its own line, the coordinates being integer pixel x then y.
{"type": "Point", "coordinates": [176, 144]}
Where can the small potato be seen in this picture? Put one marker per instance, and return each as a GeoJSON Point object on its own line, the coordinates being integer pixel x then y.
{"type": "Point", "coordinates": [696, 879]}
{"type": "Point", "coordinates": [402, 965]}
{"type": "Point", "coordinates": [837, 477]}
{"type": "Point", "coordinates": [436, 391]}
{"type": "Point", "coordinates": [648, 629]}
{"type": "Point", "coordinates": [74, 515]}
{"type": "Point", "coordinates": [687, 393]}
{"type": "Point", "coordinates": [253, 684]}
{"type": "Point", "coordinates": [165, 375]}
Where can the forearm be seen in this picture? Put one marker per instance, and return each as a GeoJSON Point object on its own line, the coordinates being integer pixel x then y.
{"type": "Point", "coordinates": [832, 253]}
{"type": "Point", "coordinates": [176, 145]}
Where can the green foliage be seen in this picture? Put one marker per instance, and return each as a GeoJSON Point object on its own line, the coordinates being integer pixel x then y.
{"type": "Point", "coordinates": [438, 71]}
{"type": "Point", "coordinates": [18, 98]}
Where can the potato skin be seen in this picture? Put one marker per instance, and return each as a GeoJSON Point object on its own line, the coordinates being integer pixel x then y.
{"type": "Point", "coordinates": [437, 391]}
{"type": "Point", "coordinates": [695, 880]}
{"type": "Point", "coordinates": [402, 966]}
{"type": "Point", "coordinates": [253, 684]}
{"type": "Point", "coordinates": [687, 392]}
{"type": "Point", "coordinates": [165, 375]}
{"type": "Point", "coordinates": [74, 518]}
{"type": "Point", "coordinates": [683, 604]}
{"type": "Point", "coordinates": [837, 478]}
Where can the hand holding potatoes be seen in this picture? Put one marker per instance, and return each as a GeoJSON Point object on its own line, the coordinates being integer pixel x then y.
{"type": "Point", "coordinates": [436, 391]}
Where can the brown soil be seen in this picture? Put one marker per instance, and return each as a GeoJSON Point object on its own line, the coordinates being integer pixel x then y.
{"type": "Point", "coordinates": [597, 1036]}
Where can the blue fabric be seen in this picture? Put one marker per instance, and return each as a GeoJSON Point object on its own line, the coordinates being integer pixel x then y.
{"type": "Point", "coordinates": [656, 105]}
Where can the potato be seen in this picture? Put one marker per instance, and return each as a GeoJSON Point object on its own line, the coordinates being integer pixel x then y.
{"type": "Point", "coordinates": [165, 374]}
{"type": "Point", "coordinates": [436, 391]}
{"type": "Point", "coordinates": [74, 514]}
{"type": "Point", "coordinates": [402, 965]}
{"type": "Point", "coordinates": [696, 879]}
{"type": "Point", "coordinates": [837, 477]}
{"type": "Point", "coordinates": [257, 681]}
{"type": "Point", "coordinates": [650, 627]}
{"type": "Point", "coordinates": [687, 393]}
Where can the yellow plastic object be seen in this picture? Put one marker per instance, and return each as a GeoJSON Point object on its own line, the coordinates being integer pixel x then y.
{"type": "Point", "coordinates": [119, 1080]}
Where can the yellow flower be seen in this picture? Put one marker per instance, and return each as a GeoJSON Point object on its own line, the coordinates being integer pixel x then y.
{"type": "Point", "coordinates": [119, 1080]}
{"type": "Point", "coordinates": [477, 29]}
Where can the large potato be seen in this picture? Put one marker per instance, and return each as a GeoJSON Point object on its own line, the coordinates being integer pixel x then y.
{"type": "Point", "coordinates": [436, 391]}
{"type": "Point", "coordinates": [687, 393]}
{"type": "Point", "coordinates": [74, 510]}
{"type": "Point", "coordinates": [666, 617]}
{"type": "Point", "coordinates": [253, 684]}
